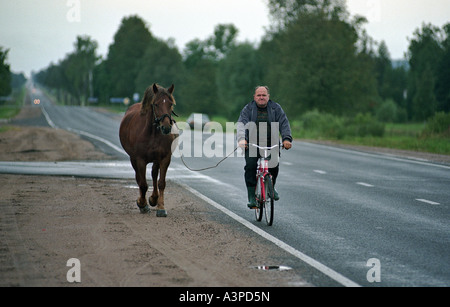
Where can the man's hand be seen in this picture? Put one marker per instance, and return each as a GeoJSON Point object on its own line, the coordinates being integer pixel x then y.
{"type": "Point", "coordinates": [287, 145]}
{"type": "Point", "coordinates": [243, 144]}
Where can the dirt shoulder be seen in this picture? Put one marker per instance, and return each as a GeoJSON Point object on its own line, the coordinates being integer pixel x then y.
{"type": "Point", "coordinates": [45, 221]}
{"type": "Point", "coordinates": [27, 139]}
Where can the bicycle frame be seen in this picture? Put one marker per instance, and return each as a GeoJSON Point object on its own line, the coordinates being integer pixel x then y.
{"type": "Point", "coordinates": [262, 171]}
{"type": "Point", "coordinates": [264, 180]}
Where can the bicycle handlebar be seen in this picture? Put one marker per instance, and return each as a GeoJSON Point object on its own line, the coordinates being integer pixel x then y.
{"type": "Point", "coordinates": [264, 148]}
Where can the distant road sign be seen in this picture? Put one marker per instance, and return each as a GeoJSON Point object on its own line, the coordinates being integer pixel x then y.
{"type": "Point", "coordinates": [116, 100]}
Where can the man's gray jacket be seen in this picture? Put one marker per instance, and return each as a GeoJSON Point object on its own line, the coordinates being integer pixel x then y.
{"type": "Point", "coordinates": [275, 115]}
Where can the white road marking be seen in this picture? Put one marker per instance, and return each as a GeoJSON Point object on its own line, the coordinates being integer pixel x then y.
{"type": "Point", "coordinates": [377, 155]}
{"type": "Point", "coordinates": [308, 260]}
{"type": "Point", "coordinates": [427, 201]}
{"type": "Point", "coordinates": [92, 136]}
{"type": "Point", "coordinates": [104, 141]}
{"type": "Point", "coordinates": [320, 171]}
{"type": "Point", "coordinates": [47, 117]}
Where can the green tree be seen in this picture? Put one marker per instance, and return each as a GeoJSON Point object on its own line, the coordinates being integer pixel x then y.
{"type": "Point", "coordinates": [395, 85]}
{"type": "Point", "coordinates": [161, 64]}
{"type": "Point", "coordinates": [391, 82]}
{"type": "Point", "coordinates": [425, 53]}
{"type": "Point", "coordinates": [199, 90]}
{"type": "Point", "coordinates": [101, 82]}
{"type": "Point", "coordinates": [124, 55]}
{"type": "Point", "coordinates": [237, 76]}
{"type": "Point", "coordinates": [201, 60]}
{"type": "Point", "coordinates": [193, 53]}
{"type": "Point", "coordinates": [284, 12]}
{"type": "Point", "coordinates": [17, 80]}
{"type": "Point", "coordinates": [72, 76]}
{"type": "Point", "coordinates": [223, 40]}
{"type": "Point", "coordinates": [313, 61]}
{"type": "Point", "coordinates": [5, 73]}
{"type": "Point", "coordinates": [424, 102]}
{"type": "Point", "coordinates": [383, 67]}
{"type": "Point", "coordinates": [443, 74]}
{"type": "Point", "coordinates": [79, 68]}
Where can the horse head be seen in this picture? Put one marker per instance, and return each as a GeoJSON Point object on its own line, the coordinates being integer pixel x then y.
{"type": "Point", "coordinates": [159, 101]}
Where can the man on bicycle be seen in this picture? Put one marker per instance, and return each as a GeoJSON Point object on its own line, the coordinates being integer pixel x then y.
{"type": "Point", "coordinates": [261, 122]}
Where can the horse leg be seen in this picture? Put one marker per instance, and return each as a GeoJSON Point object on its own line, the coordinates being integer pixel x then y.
{"type": "Point", "coordinates": [153, 200]}
{"type": "Point", "coordinates": [161, 212]}
{"type": "Point", "coordinates": [140, 168]}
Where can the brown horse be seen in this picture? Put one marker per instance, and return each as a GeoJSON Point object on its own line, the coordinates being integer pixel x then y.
{"type": "Point", "coordinates": [145, 134]}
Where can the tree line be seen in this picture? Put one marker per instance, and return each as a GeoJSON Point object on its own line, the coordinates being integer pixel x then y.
{"type": "Point", "coordinates": [315, 56]}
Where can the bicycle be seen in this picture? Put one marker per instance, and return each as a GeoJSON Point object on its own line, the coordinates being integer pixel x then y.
{"type": "Point", "coordinates": [264, 192]}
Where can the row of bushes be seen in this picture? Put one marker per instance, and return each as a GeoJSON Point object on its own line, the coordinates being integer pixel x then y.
{"type": "Point", "coordinates": [390, 112]}
{"type": "Point", "coordinates": [438, 125]}
{"type": "Point", "coordinates": [316, 125]}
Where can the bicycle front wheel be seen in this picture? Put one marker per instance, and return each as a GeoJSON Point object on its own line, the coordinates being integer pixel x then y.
{"type": "Point", "coordinates": [259, 211]}
{"type": "Point", "coordinates": [269, 201]}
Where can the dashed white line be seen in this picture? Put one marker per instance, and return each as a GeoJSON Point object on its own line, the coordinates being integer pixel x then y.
{"type": "Point", "coordinates": [365, 184]}
{"type": "Point", "coordinates": [319, 171]}
{"type": "Point", "coordinates": [427, 201]}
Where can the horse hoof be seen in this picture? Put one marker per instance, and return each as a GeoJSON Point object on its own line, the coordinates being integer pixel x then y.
{"type": "Point", "coordinates": [161, 213]}
{"type": "Point", "coordinates": [153, 204]}
{"type": "Point", "coordinates": [145, 209]}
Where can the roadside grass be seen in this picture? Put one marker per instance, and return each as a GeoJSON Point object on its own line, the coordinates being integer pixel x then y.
{"type": "Point", "coordinates": [10, 109]}
{"type": "Point", "coordinates": [7, 112]}
{"type": "Point", "coordinates": [404, 136]}
{"type": "Point", "coordinates": [437, 145]}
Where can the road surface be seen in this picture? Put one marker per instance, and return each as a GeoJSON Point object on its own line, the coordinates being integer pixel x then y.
{"type": "Point", "coordinates": [354, 218]}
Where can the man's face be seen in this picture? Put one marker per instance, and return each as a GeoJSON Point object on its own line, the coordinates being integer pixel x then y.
{"type": "Point", "coordinates": [261, 97]}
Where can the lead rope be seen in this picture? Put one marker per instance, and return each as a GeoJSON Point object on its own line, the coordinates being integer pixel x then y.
{"type": "Point", "coordinates": [206, 168]}
{"type": "Point", "coordinates": [210, 167]}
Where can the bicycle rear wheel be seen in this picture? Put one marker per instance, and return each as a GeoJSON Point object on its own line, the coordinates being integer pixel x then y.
{"type": "Point", "coordinates": [269, 204]}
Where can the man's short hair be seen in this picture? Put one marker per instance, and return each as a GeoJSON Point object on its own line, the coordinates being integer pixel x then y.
{"type": "Point", "coordinates": [265, 86]}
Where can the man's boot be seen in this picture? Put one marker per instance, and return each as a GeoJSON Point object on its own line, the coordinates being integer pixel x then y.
{"type": "Point", "coordinates": [276, 196]}
{"type": "Point", "coordinates": [251, 198]}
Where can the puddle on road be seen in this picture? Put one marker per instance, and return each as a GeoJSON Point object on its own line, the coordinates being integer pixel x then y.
{"type": "Point", "coordinates": [272, 268]}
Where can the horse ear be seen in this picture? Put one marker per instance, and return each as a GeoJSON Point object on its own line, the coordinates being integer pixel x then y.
{"type": "Point", "coordinates": [170, 90]}
{"type": "Point", "coordinates": [155, 88]}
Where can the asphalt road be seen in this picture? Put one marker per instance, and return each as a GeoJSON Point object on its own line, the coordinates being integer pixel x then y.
{"type": "Point", "coordinates": [338, 207]}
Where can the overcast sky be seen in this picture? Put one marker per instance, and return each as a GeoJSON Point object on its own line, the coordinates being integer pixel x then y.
{"type": "Point", "coordinates": [38, 32]}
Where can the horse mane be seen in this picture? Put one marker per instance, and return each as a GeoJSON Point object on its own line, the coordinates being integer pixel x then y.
{"type": "Point", "coordinates": [152, 94]}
